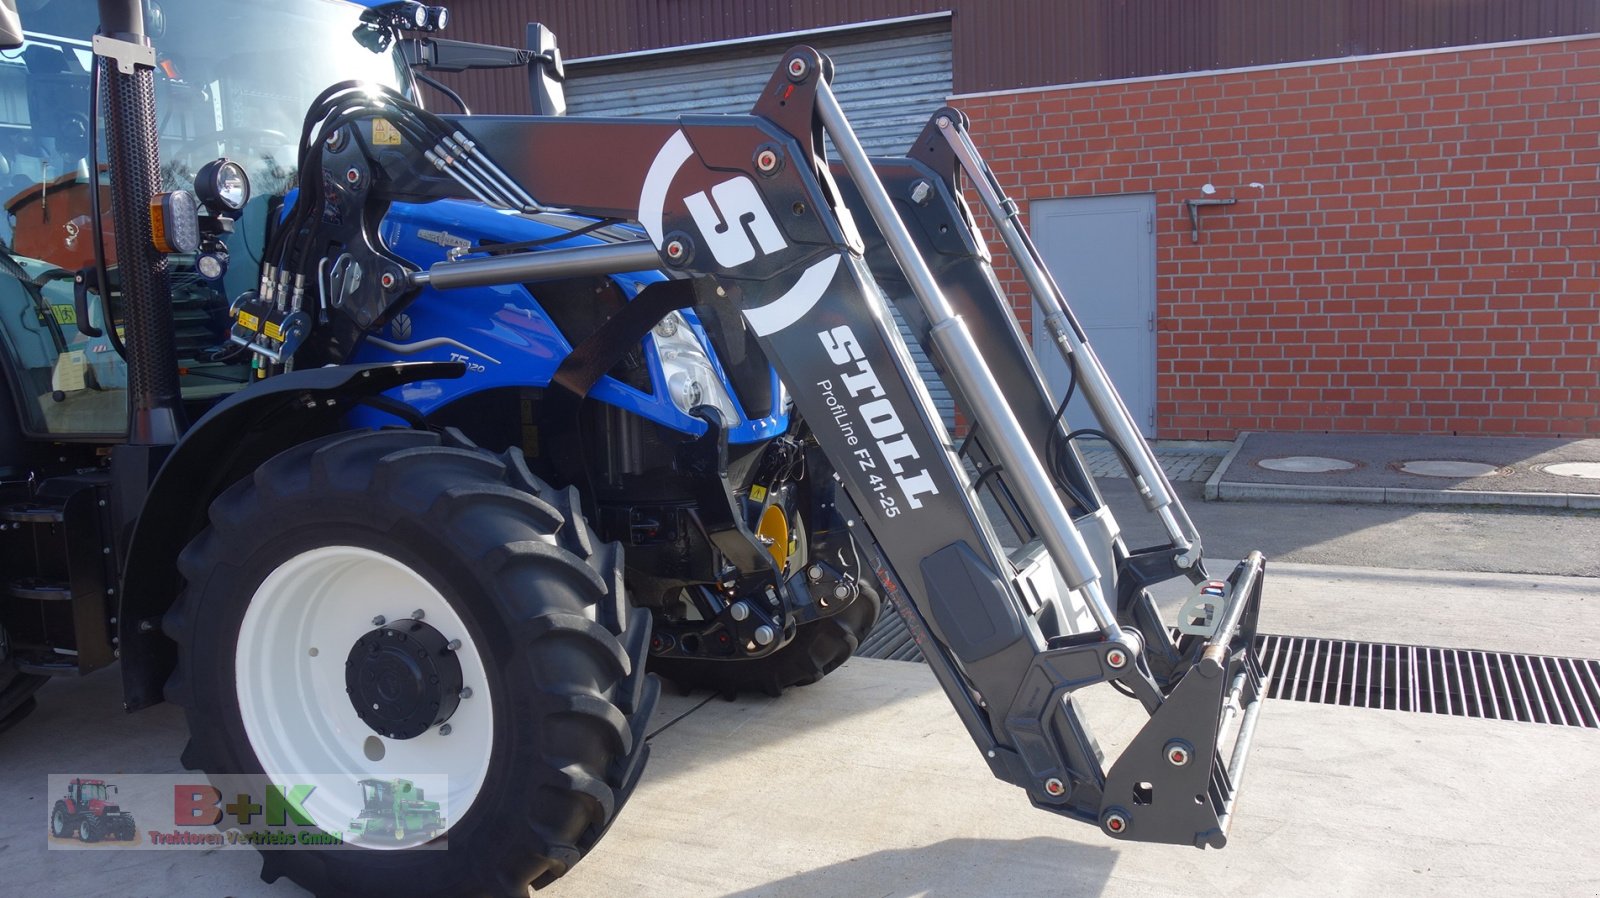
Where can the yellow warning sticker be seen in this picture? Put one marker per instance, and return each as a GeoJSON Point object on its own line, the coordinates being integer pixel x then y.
{"type": "Point", "coordinates": [385, 134]}
{"type": "Point", "coordinates": [758, 493]}
{"type": "Point", "coordinates": [249, 321]}
{"type": "Point", "coordinates": [273, 330]}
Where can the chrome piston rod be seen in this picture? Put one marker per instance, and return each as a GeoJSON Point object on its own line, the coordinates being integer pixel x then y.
{"type": "Point", "coordinates": [1026, 474]}
{"type": "Point", "coordinates": [1096, 385]}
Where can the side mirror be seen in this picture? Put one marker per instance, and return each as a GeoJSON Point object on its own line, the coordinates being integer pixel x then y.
{"type": "Point", "coordinates": [545, 72]}
{"type": "Point", "coordinates": [10, 26]}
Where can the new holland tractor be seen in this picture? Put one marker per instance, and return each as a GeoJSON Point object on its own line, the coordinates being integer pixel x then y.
{"type": "Point", "coordinates": [388, 440]}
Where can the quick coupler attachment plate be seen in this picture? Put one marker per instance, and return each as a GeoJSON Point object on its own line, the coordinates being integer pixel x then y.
{"type": "Point", "coordinates": [1171, 783]}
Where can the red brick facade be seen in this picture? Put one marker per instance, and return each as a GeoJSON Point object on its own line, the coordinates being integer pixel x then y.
{"type": "Point", "coordinates": [1423, 256]}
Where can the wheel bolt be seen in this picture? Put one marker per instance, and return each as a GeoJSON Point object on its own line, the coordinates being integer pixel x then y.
{"type": "Point", "coordinates": [1117, 658]}
{"type": "Point", "coordinates": [465, 693]}
{"type": "Point", "coordinates": [379, 621]}
{"type": "Point", "coordinates": [453, 645]}
{"type": "Point", "coordinates": [1055, 786]}
{"type": "Point", "coordinates": [1116, 823]}
{"type": "Point", "coordinates": [444, 729]}
{"type": "Point", "coordinates": [1178, 753]}
{"type": "Point", "coordinates": [417, 615]}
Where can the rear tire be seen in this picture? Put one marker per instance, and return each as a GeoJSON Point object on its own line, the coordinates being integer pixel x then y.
{"type": "Point", "coordinates": [549, 648]}
{"type": "Point", "coordinates": [16, 695]}
{"type": "Point", "coordinates": [61, 823]}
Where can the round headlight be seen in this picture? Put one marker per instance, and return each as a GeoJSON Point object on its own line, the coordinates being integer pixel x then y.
{"type": "Point", "coordinates": [223, 186]}
{"type": "Point", "coordinates": [211, 266]}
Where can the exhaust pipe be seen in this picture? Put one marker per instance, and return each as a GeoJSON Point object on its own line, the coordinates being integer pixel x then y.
{"type": "Point", "coordinates": [127, 63]}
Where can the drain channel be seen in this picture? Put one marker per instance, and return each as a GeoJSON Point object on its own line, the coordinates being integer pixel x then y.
{"type": "Point", "coordinates": [1458, 682]}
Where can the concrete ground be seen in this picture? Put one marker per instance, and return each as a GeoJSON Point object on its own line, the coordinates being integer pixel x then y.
{"type": "Point", "coordinates": [866, 785]}
{"type": "Point", "coordinates": [1380, 468]}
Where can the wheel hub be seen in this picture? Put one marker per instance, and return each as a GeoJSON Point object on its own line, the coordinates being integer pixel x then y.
{"type": "Point", "coordinates": [403, 678]}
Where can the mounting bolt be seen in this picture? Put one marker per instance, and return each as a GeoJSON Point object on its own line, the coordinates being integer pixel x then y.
{"type": "Point", "coordinates": [1185, 561]}
{"type": "Point", "coordinates": [353, 175]}
{"type": "Point", "coordinates": [417, 615]}
{"type": "Point", "coordinates": [943, 121]}
{"type": "Point", "coordinates": [814, 572]}
{"type": "Point", "coordinates": [1055, 787]}
{"type": "Point", "coordinates": [379, 621]}
{"type": "Point", "coordinates": [444, 729]}
{"type": "Point", "coordinates": [1178, 753]}
{"type": "Point", "coordinates": [465, 693]}
{"type": "Point", "coordinates": [798, 69]}
{"type": "Point", "coordinates": [739, 611]}
{"type": "Point", "coordinates": [842, 591]}
{"type": "Point", "coordinates": [453, 645]}
{"type": "Point", "coordinates": [764, 635]}
{"type": "Point", "coordinates": [767, 161]}
{"type": "Point", "coordinates": [1117, 658]}
{"type": "Point", "coordinates": [146, 626]}
{"type": "Point", "coordinates": [388, 280]}
{"type": "Point", "coordinates": [1116, 823]}
{"type": "Point", "coordinates": [678, 250]}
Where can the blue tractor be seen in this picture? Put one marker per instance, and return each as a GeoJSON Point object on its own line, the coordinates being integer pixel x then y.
{"type": "Point", "coordinates": [398, 442]}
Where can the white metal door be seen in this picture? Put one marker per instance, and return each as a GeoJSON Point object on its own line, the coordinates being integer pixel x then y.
{"type": "Point", "coordinates": [1102, 252]}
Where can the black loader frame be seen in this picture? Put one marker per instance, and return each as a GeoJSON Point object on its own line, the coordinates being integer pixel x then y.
{"type": "Point", "coordinates": [807, 253]}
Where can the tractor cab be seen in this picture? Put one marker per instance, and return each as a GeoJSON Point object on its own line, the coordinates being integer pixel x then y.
{"type": "Point", "coordinates": [232, 81]}
{"type": "Point", "coordinates": [86, 792]}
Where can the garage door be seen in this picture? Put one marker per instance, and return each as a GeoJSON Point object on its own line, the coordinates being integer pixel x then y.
{"type": "Point", "coordinates": [889, 80]}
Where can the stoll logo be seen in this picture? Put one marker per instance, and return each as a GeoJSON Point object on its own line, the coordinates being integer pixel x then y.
{"type": "Point", "coordinates": [304, 812]}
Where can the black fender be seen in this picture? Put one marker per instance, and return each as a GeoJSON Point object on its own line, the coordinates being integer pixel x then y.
{"type": "Point", "coordinates": [232, 440]}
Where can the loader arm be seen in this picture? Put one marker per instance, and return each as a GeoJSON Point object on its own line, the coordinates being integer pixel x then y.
{"type": "Point", "coordinates": [807, 252]}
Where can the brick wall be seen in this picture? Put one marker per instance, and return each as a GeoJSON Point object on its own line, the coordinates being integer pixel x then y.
{"type": "Point", "coordinates": [1422, 258]}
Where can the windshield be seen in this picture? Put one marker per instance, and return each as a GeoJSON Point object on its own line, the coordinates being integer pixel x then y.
{"type": "Point", "coordinates": [236, 79]}
{"type": "Point", "coordinates": [92, 792]}
{"type": "Point", "coordinates": [232, 79]}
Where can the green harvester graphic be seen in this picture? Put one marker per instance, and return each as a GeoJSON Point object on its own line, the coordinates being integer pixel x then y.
{"type": "Point", "coordinates": [395, 809]}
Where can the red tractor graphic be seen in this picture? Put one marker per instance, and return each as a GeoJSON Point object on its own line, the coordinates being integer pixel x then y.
{"type": "Point", "coordinates": [87, 814]}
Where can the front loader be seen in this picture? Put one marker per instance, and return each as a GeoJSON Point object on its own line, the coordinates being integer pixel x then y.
{"type": "Point", "coordinates": [371, 583]}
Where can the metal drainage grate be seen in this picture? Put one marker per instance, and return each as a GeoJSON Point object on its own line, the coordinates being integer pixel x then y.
{"type": "Point", "coordinates": [1459, 682]}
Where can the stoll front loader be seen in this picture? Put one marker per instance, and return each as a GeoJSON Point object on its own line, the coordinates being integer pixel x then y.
{"type": "Point", "coordinates": [347, 468]}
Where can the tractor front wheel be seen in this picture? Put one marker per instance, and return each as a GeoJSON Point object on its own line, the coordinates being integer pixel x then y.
{"type": "Point", "coordinates": [392, 604]}
{"type": "Point", "coordinates": [87, 833]}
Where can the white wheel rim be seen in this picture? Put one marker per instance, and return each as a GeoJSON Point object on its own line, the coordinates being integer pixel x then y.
{"type": "Point", "coordinates": [293, 702]}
